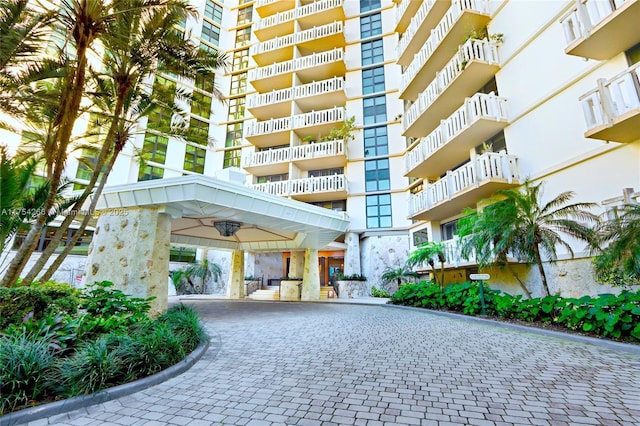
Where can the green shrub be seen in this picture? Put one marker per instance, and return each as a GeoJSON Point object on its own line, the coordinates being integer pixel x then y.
{"type": "Point", "coordinates": [354, 277]}
{"type": "Point", "coordinates": [59, 330]}
{"type": "Point", "coordinates": [100, 299]}
{"type": "Point", "coordinates": [156, 346]}
{"type": "Point", "coordinates": [39, 300]}
{"type": "Point", "coordinates": [184, 322]}
{"type": "Point", "coordinates": [377, 292]}
{"type": "Point", "coordinates": [26, 364]}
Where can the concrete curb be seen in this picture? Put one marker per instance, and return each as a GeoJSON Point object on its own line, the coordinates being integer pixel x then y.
{"type": "Point", "coordinates": [83, 401]}
{"type": "Point", "coordinates": [603, 343]}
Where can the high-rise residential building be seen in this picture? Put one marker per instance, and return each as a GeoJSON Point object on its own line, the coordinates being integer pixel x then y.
{"type": "Point", "coordinates": [404, 113]}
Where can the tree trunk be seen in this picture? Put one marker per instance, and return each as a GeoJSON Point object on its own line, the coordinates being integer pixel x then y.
{"type": "Point", "coordinates": [522, 286]}
{"type": "Point", "coordinates": [543, 276]}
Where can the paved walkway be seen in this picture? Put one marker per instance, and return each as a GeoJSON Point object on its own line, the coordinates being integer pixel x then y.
{"type": "Point", "coordinates": [336, 364]}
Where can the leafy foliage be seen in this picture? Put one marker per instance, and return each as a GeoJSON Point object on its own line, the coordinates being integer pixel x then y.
{"type": "Point", "coordinates": [428, 253]}
{"type": "Point", "coordinates": [377, 292]}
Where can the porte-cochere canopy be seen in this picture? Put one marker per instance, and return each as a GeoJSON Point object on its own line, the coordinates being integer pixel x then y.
{"type": "Point", "coordinates": [195, 203]}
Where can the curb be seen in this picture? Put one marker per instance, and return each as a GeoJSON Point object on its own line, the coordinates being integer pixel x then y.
{"type": "Point", "coordinates": [603, 343]}
{"type": "Point", "coordinates": [60, 407]}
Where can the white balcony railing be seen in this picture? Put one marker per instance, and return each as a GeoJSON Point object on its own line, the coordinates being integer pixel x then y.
{"type": "Point", "coordinates": [260, 3]}
{"type": "Point", "coordinates": [295, 153]}
{"type": "Point", "coordinates": [297, 38]}
{"type": "Point", "coordinates": [309, 61]}
{"type": "Point", "coordinates": [313, 118]}
{"type": "Point", "coordinates": [472, 50]}
{"type": "Point", "coordinates": [437, 35]}
{"type": "Point", "coordinates": [480, 105]}
{"type": "Point", "coordinates": [286, 95]}
{"type": "Point", "coordinates": [486, 166]}
{"type": "Point", "coordinates": [585, 15]}
{"type": "Point", "coordinates": [417, 19]}
{"type": "Point", "coordinates": [310, 185]}
{"type": "Point", "coordinates": [298, 12]}
{"type": "Point", "coordinates": [612, 98]}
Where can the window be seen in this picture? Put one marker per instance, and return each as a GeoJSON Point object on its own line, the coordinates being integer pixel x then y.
{"type": "Point", "coordinates": [420, 237]}
{"type": "Point", "coordinates": [194, 159]}
{"type": "Point", "coordinates": [205, 84]}
{"type": "Point", "coordinates": [367, 5]}
{"type": "Point", "coordinates": [210, 33]}
{"type": "Point", "coordinates": [376, 175]}
{"type": "Point", "coordinates": [231, 158]}
{"type": "Point", "coordinates": [373, 80]}
{"type": "Point", "coordinates": [243, 37]}
{"type": "Point", "coordinates": [379, 211]}
{"type": "Point", "coordinates": [491, 86]}
{"type": "Point", "coordinates": [370, 25]}
{"type": "Point", "coordinates": [337, 205]}
{"type": "Point", "coordinates": [81, 247]}
{"type": "Point", "coordinates": [272, 178]}
{"type": "Point", "coordinates": [150, 173]}
{"type": "Point", "coordinates": [155, 148]}
{"type": "Point", "coordinates": [213, 11]}
{"type": "Point", "coordinates": [372, 52]}
{"type": "Point", "coordinates": [198, 131]}
{"type": "Point", "coordinates": [448, 230]}
{"type": "Point", "coordinates": [375, 141]}
{"type": "Point", "coordinates": [234, 135]}
{"type": "Point", "coordinates": [240, 60]}
{"type": "Point", "coordinates": [326, 172]}
{"type": "Point", "coordinates": [236, 109]}
{"type": "Point", "coordinates": [375, 109]}
{"type": "Point", "coordinates": [160, 119]}
{"type": "Point", "coordinates": [182, 254]}
{"type": "Point", "coordinates": [245, 15]}
{"type": "Point", "coordinates": [238, 84]}
{"type": "Point", "coordinates": [201, 104]}
{"type": "Point", "coordinates": [633, 54]}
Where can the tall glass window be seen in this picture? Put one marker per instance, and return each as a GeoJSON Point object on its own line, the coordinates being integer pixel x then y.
{"type": "Point", "coordinates": [375, 141]}
{"type": "Point", "coordinates": [379, 211]}
{"type": "Point", "coordinates": [236, 109]}
{"type": "Point", "coordinates": [367, 5]}
{"type": "Point", "coordinates": [194, 159]}
{"type": "Point", "coordinates": [231, 158]}
{"type": "Point", "coordinates": [213, 11]}
{"type": "Point", "coordinates": [375, 109]}
{"type": "Point", "coordinates": [376, 175]}
{"type": "Point", "coordinates": [370, 25]}
{"type": "Point", "coordinates": [234, 135]}
{"type": "Point", "coordinates": [372, 52]}
{"type": "Point", "coordinates": [243, 37]}
{"type": "Point", "coordinates": [245, 15]}
{"type": "Point", "coordinates": [373, 80]}
{"type": "Point", "coordinates": [238, 83]}
{"type": "Point", "coordinates": [210, 33]}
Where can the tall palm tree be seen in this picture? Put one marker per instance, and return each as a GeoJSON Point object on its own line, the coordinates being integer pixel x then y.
{"type": "Point", "coordinates": [618, 263]}
{"type": "Point", "coordinates": [204, 271]}
{"type": "Point", "coordinates": [521, 224]}
{"type": "Point", "coordinates": [138, 44]}
{"type": "Point", "coordinates": [428, 252]}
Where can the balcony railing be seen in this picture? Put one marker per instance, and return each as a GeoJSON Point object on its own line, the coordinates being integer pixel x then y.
{"type": "Point", "coordinates": [309, 119]}
{"type": "Point", "coordinates": [295, 153]}
{"type": "Point", "coordinates": [316, 59]}
{"type": "Point", "coordinates": [599, 29]}
{"type": "Point", "coordinates": [304, 186]}
{"type": "Point", "coordinates": [299, 12]}
{"type": "Point", "coordinates": [486, 166]}
{"type": "Point", "coordinates": [437, 35]}
{"type": "Point", "coordinates": [612, 104]}
{"type": "Point", "coordinates": [473, 50]}
{"type": "Point", "coordinates": [298, 92]}
{"type": "Point", "coordinates": [297, 38]}
{"type": "Point", "coordinates": [480, 105]}
{"type": "Point", "coordinates": [417, 19]}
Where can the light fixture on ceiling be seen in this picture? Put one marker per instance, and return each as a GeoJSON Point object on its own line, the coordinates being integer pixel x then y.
{"type": "Point", "coordinates": [227, 228]}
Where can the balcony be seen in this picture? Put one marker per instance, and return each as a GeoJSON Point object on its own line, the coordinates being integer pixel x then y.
{"type": "Point", "coordinates": [612, 110]}
{"type": "Point", "coordinates": [459, 21]}
{"type": "Point", "coordinates": [313, 14]}
{"type": "Point", "coordinates": [474, 64]}
{"type": "Point", "coordinates": [311, 189]}
{"type": "Point", "coordinates": [599, 29]}
{"type": "Point", "coordinates": [319, 94]}
{"type": "Point", "coordinates": [315, 67]}
{"type": "Point", "coordinates": [329, 154]}
{"type": "Point", "coordinates": [481, 117]}
{"type": "Point", "coordinates": [275, 131]}
{"type": "Point", "coordinates": [271, 7]}
{"type": "Point", "coordinates": [280, 49]}
{"type": "Point", "coordinates": [405, 10]}
{"type": "Point", "coordinates": [463, 187]}
{"type": "Point", "coordinates": [424, 19]}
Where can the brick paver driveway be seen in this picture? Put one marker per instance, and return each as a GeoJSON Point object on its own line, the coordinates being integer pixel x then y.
{"type": "Point", "coordinates": [312, 364]}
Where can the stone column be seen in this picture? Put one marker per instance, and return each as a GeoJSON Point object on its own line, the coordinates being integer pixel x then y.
{"type": "Point", "coordinates": [130, 248]}
{"type": "Point", "coordinates": [352, 254]}
{"type": "Point", "coordinates": [235, 289]}
{"type": "Point", "coordinates": [296, 264]}
{"type": "Point", "coordinates": [311, 276]}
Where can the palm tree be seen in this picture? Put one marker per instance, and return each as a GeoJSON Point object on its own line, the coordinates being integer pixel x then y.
{"type": "Point", "coordinates": [205, 271]}
{"type": "Point", "coordinates": [521, 224]}
{"type": "Point", "coordinates": [428, 252]}
{"type": "Point", "coordinates": [619, 262]}
{"type": "Point", "coordinates": [398, 275]}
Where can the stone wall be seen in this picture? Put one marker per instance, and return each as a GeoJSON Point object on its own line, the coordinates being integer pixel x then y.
{"type": "Point", "coordinates": [379, 252]}
{"type": "Point", "coordinates": [268, 266]}
{"type": "Point", "coordinates": [71, 271]}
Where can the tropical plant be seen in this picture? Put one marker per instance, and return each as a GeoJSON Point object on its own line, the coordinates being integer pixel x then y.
{"type": "Point", "coordinates": [197, 275]}
{"type": "Point", "coordinates": [428, 253]}
{"type": "Point", "coordinates": [398, 275]}
{"type": "Point", "coordinates": [618, 263]}
{"type": "Point", "coordinates": [530, 230]}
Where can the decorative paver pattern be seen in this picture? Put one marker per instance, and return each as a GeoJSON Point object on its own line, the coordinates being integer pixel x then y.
{"type": "Point", "coordinates": [333, 364]}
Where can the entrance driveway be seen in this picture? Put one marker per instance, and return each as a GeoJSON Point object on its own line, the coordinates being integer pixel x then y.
{"type": "Point", "coordinates": [337, 364]}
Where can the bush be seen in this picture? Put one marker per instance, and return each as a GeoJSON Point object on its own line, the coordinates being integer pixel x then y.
{"type": "Point", "coordinates": [26, 364]}
{"type": "Point", "coordinates": [354, 277]}
{"type": "Point", "coordinates": [39, 300]}
{"type": "Point", "coordinates": [184, 322]}
{"type": "Point", "coordinates": [376, 292]}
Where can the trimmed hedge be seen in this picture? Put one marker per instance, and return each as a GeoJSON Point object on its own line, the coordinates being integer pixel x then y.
{"type": "Point", "coordinates": [607, 315]}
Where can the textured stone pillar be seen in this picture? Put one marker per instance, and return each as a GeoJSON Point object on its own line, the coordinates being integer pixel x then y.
{"type": "Point", "coordinates": [130, 248]}
{"type": "Point", "coordinates": [250, 264]}
{"type": "Point", "coordinates": [311, 276]}
{"type": "Point", "coordinates": [352, 254]}
{"type": "Point", "coordinates": [296, 264]}
{"type": "Point", "coordinates": [235, 289]}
